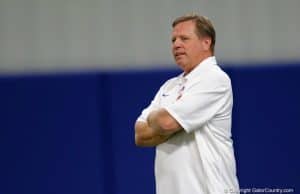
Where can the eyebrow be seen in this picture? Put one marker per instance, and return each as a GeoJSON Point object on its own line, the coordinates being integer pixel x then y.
{"type": "Point", "coordinates": [179, 36]}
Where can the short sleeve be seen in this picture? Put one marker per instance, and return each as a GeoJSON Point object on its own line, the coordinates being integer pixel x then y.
{"type": "Point", "coordinates": [152, 106]}
{"type": "Point", "coordinates": [200, 105]}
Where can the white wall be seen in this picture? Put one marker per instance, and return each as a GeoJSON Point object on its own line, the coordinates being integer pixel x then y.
{"type": "Point", "coordinates": [42, 35]}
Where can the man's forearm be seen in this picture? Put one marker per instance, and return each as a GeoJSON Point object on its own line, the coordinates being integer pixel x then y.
{"type": "Point", "coordinates": [151, 142]}
{"type": "Point", "coordinates": [146, 136]}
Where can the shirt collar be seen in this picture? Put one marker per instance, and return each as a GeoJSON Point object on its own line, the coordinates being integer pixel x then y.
{"type": "Point", "coordinates": [200, 67]}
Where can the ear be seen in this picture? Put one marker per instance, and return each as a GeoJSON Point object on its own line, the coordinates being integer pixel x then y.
{"type": "Point", "coordinates": [206, 42]}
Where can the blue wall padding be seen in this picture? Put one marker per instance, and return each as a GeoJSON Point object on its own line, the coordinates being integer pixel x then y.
{"type": "Point", "coordinates": [73, 133]}
{"type": "Point", "coordinates": [50, 135]}
{"type": "Point", "coordinates": [266, 126]}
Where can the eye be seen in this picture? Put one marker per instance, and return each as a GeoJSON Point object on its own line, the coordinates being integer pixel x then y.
{"type": "Point", "coordinates": [173, 40]}
{"type": "Point", "coordinates": [184, 38]}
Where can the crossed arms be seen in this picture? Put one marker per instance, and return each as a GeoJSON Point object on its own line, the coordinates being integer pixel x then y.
{"type": "Point", "coordinates": [158, 128]}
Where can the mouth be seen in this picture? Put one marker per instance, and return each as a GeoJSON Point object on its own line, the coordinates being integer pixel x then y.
{"type": "Point", "coordinates": [179, 54]}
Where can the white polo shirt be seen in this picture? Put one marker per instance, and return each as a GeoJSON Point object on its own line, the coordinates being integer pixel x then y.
{"type": "Point", "coordinates": [199, 159]}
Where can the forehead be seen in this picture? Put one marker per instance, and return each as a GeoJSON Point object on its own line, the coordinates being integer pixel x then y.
{"type": "Point", "coordinates": [186, 27]}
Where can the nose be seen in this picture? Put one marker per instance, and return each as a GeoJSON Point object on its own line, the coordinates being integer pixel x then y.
{"type": "Point", "coordinates": [176, 44]}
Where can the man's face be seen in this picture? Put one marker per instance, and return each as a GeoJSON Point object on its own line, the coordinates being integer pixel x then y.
{"type": "Point", "coordinates": [187, 48]}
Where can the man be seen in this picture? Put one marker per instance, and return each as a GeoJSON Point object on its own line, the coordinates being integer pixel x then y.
{"type": "Point", "coordinates": [189, 120]}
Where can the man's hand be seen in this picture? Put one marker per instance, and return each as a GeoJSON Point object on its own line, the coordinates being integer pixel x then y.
{"type": "Point", "coordinates": [145, 136]}
{"type": "Point", "coordinates": [158, 128]}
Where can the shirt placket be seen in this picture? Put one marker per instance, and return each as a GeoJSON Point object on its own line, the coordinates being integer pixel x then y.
{"type": "Point", "coordinates": [182, 87]}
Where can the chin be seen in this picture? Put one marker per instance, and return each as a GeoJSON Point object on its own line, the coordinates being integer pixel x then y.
{"type": "Point", "coordinates": [186, 68]}
{"type": "Point", "coordinates": [181, 65]}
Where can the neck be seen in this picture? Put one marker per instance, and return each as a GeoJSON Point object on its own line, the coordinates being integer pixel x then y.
{"type": "Point", "coordinates": [202, 58]}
